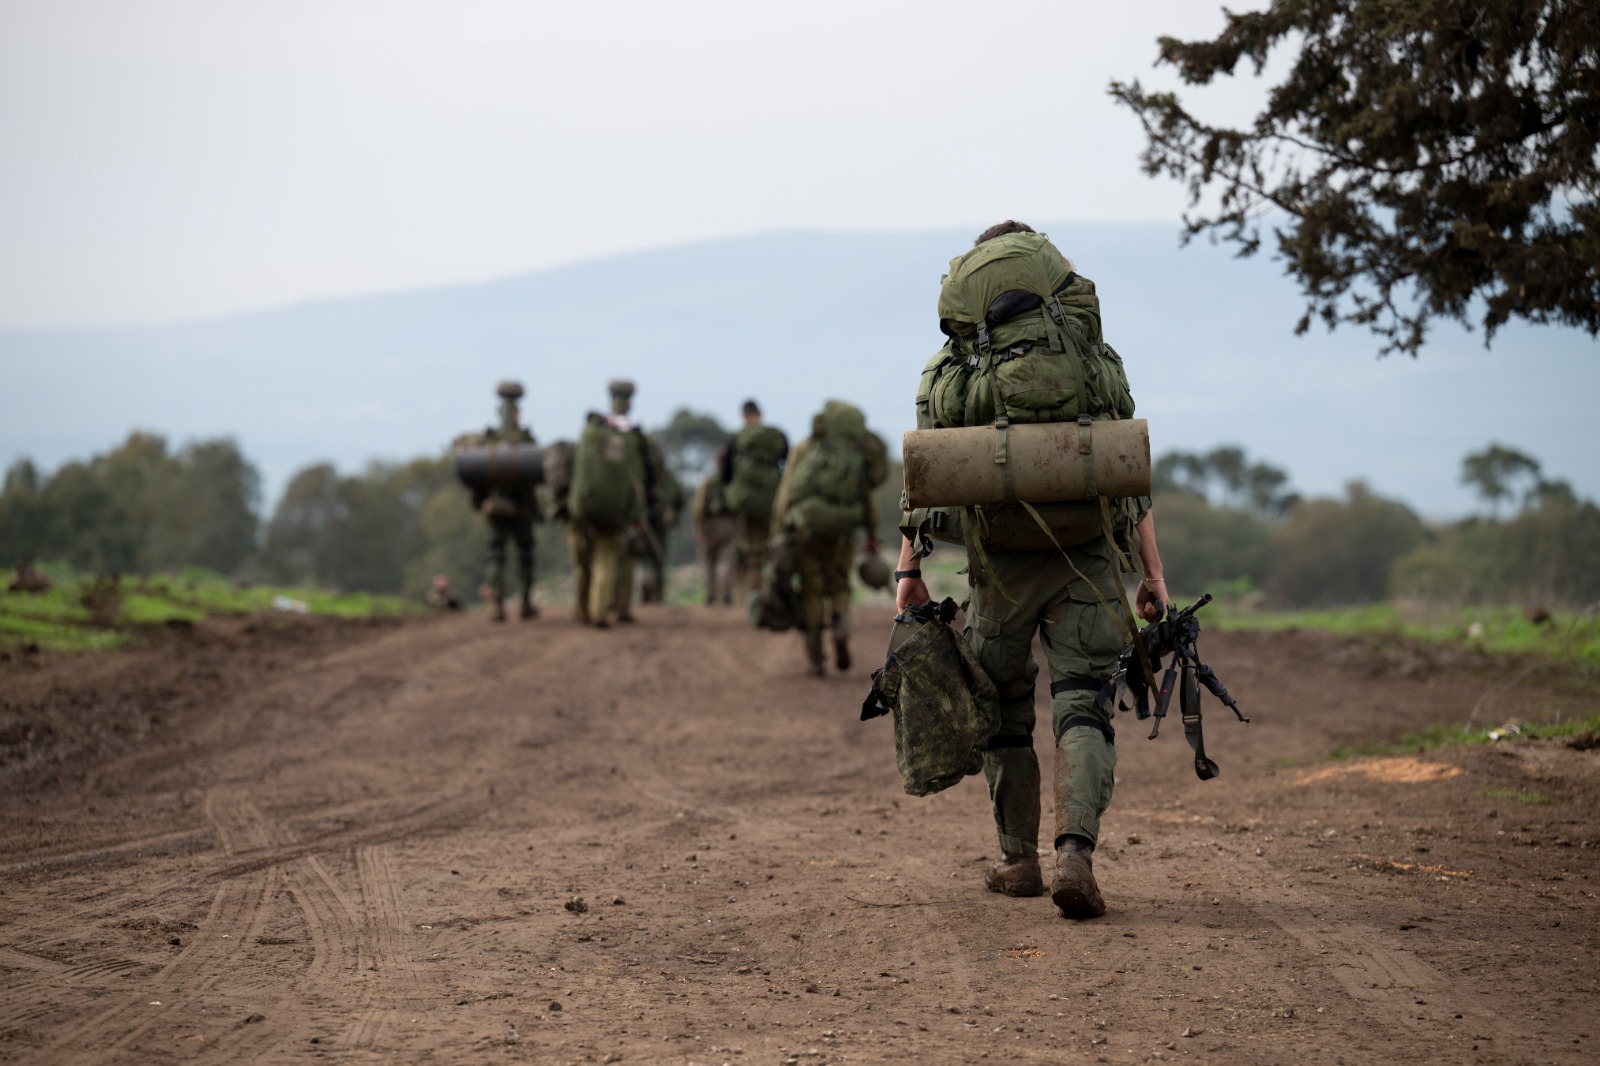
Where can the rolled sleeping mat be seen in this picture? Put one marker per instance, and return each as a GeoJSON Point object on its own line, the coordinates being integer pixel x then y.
{"type": "Point", "coordinates": [1050, 462]}
{"type": "Point", "coordinates": [500, 466]}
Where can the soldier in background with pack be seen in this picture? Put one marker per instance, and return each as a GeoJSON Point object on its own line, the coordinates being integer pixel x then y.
{"type": "Point", "coordinates": [669, 501]}
{"type": "Point", "coordinates": [752, 464]}
{"type": "Point", "coordinates": [510, 513]}
{"type": "Point", "coordinates": [824, 498]}
{"type": "Point", "coordinates": [716, 531]}
{"type": "Point", "coordinates": [1026, 347]}
{"type": "Point", "coordinates": [609, 500]}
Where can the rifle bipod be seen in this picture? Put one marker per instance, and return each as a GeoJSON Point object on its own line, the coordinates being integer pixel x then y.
{"type": "Point", "coordinates": [1177, 634]}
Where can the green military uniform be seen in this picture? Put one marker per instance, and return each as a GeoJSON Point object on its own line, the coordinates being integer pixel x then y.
{"type": "Point", "coordinates": [510, 514]}
{"type": "Point", "coordinates": [752, 463]}
{"type": "Point", "coordinates": [602, 565]}
{"type": "Point", "coordinates": [1058, 597]}
{"type": "Point", "coordinates": [716, 531]}
{"type": "Point", "coordinates": [823, 557]}
{"type": "Point", "coordinates": [1037, 360]}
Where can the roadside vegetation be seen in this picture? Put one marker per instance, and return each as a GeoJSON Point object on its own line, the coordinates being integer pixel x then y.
{"type": "Point", "coordinates": [89, 613]}
{"type": "Point", "coordinates": [1520, 578]}
{"type": "Point", "coordinates": [1570, 636]}
{"type": "Point", "coordinates": [1452, 736]}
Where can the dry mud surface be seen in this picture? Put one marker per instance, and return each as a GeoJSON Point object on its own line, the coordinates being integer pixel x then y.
{"type": "Point", "coordinates": [446, 842]}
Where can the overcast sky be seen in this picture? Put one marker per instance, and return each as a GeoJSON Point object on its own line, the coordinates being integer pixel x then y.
{"type": "Point", "coordinates": [177, 158]}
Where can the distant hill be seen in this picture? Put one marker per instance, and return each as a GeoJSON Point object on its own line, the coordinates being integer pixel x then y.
{"type": "Point", "coordinates": [794, 319]}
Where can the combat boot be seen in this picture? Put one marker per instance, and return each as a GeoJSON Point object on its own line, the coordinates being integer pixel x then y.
{"type": "Point", "coordinates": [1015, 875]}
{"type": "Point", "coordinates": [1073, 888]}
{"type": "Point", "coordinates": [529, 610]}
{"type": "Point", "coordinates": [499, 614]}
{"type": "Point", "coordinates": [840, 624]}
{"type": "Point", "coordinates": [814, 657]}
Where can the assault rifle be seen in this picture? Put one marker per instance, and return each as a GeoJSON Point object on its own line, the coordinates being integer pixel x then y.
{"type": "Point", "coordinates": [1177, 634]}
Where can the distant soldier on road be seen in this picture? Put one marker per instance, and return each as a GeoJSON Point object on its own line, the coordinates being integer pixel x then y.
{"type": "Point", "coordinates": [716, 531]}
{"type": "Point", "coordinates": [510, 513]}
{"type": "Point", "coordinates": [824, 498]}
{"type": "Point", "coordinates": [752, 464]}
{"type": "Point", "coordinates": [609, 501]}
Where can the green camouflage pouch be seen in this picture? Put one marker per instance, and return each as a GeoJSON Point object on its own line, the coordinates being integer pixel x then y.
{"type": "Point", "coordinates": [945, 707]}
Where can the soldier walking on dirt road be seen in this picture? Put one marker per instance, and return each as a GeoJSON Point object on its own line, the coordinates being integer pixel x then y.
{"type": "Point", "coordinates": [510, 513]}
{"type": "Point", "coordinates": [609, 500]}
{"type": "Point", "coordinates": [824, 498]}
{"type": "Point", "coordinates": [1025, 346]}
{"type": "Point", "coordinates": [752, 462]}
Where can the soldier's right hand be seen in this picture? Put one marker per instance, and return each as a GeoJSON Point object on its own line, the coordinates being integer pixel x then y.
{"type": "Point", "coordinates": [909, 591]}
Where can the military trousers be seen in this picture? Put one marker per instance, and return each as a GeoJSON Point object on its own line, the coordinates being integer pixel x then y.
{"type": "Point", "coordinates": [718, 535]}
{"type": "Point", "coordinates": [751, 554]}
{"type": "Point", "coordinates": [599, 566]}
{"type": "Point", "coordinates": [578, 556]}
{"type": "Point", "coordinates": [519, 532]}
{"type": "Point", "coordinates": [1057, 596]}
{"type": "Point", "coordinates": [824, 566]}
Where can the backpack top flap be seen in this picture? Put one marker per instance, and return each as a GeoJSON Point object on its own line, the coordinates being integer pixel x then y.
{"type": "Point", "coordinates": [840, 421]}
{"type": "Point", "coordinates": [1012, 262]}
{"type": "Point", "coordinates": [759, 446]}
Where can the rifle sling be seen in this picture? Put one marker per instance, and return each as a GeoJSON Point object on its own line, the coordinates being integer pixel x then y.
{"type": "Point", "coordinates": [1189, 709]}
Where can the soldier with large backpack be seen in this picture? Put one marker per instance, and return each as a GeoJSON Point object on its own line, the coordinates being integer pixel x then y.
{"type": "Point", "coordinates": [510, 510]}
{"type": "Point", "coordinates": [608, 500]}
{"type": "Point", "coordinates": [752, 463]}
{"type": "Point", "coordinates": [1025, 346]}
{"type": "Point", "coordinates": [824, 498]}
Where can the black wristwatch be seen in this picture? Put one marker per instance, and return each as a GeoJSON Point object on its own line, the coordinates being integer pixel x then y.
{"type": "Point", "coordinates": [901, 575]}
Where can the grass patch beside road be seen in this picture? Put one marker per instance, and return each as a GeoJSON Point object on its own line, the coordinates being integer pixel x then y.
{"type": "Point", "coordinates": [1567, 635]}
{"type": "Point", "coordinates": [1447, 736]}
{"type": "Point", "coordinates": [81, 613]}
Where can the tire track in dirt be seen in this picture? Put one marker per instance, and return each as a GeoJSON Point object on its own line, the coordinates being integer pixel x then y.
{"type": "Point", "coordinates": [177, 842]}
{"type": "Point", "coordinates": [381, 950]}
{"type": "Point", "coordinates": [439, 815]}
{"type": "Point", "coordinates": [1388, 985]}
{"type": "Point", "coordinates": [239, 911]}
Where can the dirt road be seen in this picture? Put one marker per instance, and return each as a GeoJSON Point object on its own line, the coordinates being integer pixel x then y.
{"type": "Point", "coordinates": [444, 842]}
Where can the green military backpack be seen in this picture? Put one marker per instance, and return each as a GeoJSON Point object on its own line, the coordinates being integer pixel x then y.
{"type": "Point", "coordinates": [1025, 347]}
{"type": "Point", "coordinates": [607, 492]}
{"type": "Point", "coordinates": [841, 463]}
{"type": "Point", "coordinates": [758, 454]}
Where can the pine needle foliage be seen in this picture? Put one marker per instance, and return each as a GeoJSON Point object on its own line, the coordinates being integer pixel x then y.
{"type": "Point", "coordinates": [1421, 159]}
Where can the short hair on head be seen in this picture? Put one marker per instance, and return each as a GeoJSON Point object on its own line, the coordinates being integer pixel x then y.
{"type": "Point", "coordinates": [1010, 225]}
{"type": "Point", "coordinates": [752, 408]}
